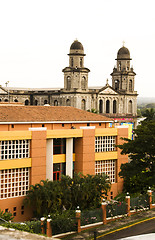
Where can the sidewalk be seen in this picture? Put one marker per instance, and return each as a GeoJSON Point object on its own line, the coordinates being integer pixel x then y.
{"type": "Point", "coordinates": [12, 234]}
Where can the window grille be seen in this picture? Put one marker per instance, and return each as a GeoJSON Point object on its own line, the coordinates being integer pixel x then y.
{"type": "Point", "coordinates": [14, 149]}
{"type": "Point", "coordinates": [105, 143]}
{"type": "Point", "coordinates": [14, 182]}
{"type": "Point", "coordinates": [108, 167]}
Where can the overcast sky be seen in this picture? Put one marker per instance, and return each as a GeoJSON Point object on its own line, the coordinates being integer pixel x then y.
{"type": "Point", "coordinates": [35, 38]}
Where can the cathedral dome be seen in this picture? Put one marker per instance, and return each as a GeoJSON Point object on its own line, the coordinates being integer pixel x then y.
{"type": "Point", "coordinates": [76, 45]}
{"type": "Point", "coordinates": [123, 53]}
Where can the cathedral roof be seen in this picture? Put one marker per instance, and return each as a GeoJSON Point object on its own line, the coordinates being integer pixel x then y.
{"type": "Point", "coordinates": [76, 45]}
{"type": "Point", "coordinates": [123, 53]}
{"type": "Point", "coordinates": [47, 114]}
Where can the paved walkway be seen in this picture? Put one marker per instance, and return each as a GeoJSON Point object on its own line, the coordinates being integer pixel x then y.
{"type": "Point", "coordinates": [12, 234]}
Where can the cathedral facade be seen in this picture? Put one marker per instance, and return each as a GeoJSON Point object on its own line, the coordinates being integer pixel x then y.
{"type": "Point", "coordinates": [116, 101]}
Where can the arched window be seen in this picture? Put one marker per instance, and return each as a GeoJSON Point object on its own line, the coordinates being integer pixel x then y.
{"type": "Point", "coordinates": [0, 100]}
{"type": "Point", "coordinates": [16, 100]}
{"type": "Point", "coordinates": [6, 100]}
{"type": "Point", "coordinates": [116, 84]}
{"type": "Point", "coordinates": [68, 102]}
{"type": "Point", "coordinates": [83, 104]}
{"type": "Point", "coordinates": [26, 102]}
{"type": "Point", "coordinates": [119, 66]}
{"type": "Point", "coordinates": [71, 62]}
{"type": "Point", "coordinates": [80, 62]}
{"type": "Point", "coordinates": [130, 107]}
{"type": "Point", "coordinates": [83, 83]}
{"type": "Point", "coordinates": [55, 103]}
{"type": "Point", "coordinates": [114, 106]}
{"type": "Point", "coordinates": [100, 106]}
{"type": "Point", "coordinates": [45, 102]}
{"type": "Point", "coordinates": [107, 106]}
{"type": "Point", "coordinates": [130, 85]}
{"type": "Point", "coordinates": [35, 102]}
{"type": "Point", "coordinates": [68, 83]}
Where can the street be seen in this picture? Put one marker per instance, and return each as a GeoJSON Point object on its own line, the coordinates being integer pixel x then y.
{"type": "Point", "coordinates": [137, 229]}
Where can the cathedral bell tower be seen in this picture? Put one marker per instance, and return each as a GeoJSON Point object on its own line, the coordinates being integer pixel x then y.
{"type": "Point", "coordinates": [76, 75]}
{"type": "Point", "coordinates": [123, 74]}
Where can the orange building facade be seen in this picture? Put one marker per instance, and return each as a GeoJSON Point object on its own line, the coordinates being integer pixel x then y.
{"type": "Point", "coordinates": [38, 143]}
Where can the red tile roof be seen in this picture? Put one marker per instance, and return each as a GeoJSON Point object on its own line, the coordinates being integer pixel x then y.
{"type": "Point", "coordinates": [47, 114]}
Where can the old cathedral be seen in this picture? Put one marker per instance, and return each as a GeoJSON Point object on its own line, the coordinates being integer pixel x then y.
{"type": "Point", "coordinates": [116, 101]}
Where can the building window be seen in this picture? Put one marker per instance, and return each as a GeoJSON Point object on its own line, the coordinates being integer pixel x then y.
{"type": "Point", "coordinates": [108, 167]}
{"type": "Point", "coordinates": [119, 66]}
{"type": "Point", "coordinates": [130, 107]}
{"type": "Point", "coordinates": [59, 169]}
{"type": "Point", "coordinates": [45, 102]}
{"type": "Point", "coordinates": [14, 182]}
{"type": "Point", "coordinates": [68, 102]}
{"type": "Point", "coordinates": [71, 62]}
{"type": "Point", "coordinates": [105, 143]}
{"type": "Point", "coordinates": [83, 104]}
{"type": "Point", "coordinates": [68, 83]}
{"type": "Point", "coordinates": [14, 149]}
{"type": "Point", "coordinates": [116, 85]}
{"type": "Point", "coordinates": [59, 146]}
{"type": "Point", "coordinates": [35, 102]}
{"type": "Point", "coordinates": [6, 100]}
{"type": "Point", "coordinates": [130, 85]}
{"type": "Point", "coordinates": [114, 106]}
{"type": "Point", "coordinates": [100, 106]}
{"type": "Point", "coordinates": [55, 103]}
{"type": "Point", "coordinates": [81, 62]}
{"type": "Point", "coordinates": [16, 100]}
{"type": "Point", "coordinates": [83, 83]}
{"type": "Point", "coordinates": [107, 106]}
{"type": "Point", "coordinates": [26, 102]}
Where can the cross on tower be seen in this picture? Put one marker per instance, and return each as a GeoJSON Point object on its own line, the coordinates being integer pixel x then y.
{"type": "Point", "coordinates": [123, 43]}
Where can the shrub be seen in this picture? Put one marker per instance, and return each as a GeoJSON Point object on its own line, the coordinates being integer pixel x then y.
{"type": "Point", "coordinates": [7, 216]}
{"type": "Point", "coordinates": [64, 222]}
{"type": "Point", "coordinates": [31, 226]}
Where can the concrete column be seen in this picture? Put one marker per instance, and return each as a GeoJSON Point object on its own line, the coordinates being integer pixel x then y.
{"type": "Point", "coordinates": [150, 198]}
{"type": "Point", "coordinates": [49, 228]}
{"type": "Point", "coordinates": [42, 225]}
{"type": "Point", "coordinates": [127, 198]}
{"type": "Point", "coordinates": [104, 213]}
{"type": "Point", "coordinates": [38, 155]}
{"type": "Point", "coordinates": [78, 218]}
{"type": "Point", "coordinates": [69, 157]}
{"type": "Point", "coordinates": [49, 159]}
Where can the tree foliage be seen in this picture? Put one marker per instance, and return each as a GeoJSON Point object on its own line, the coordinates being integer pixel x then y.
{"type": "Point", "coordinates": [139, 173]}
{"type": "Point", "coordinates": [55, 196]}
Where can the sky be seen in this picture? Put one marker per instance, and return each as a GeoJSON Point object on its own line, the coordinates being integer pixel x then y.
{"type": "Point", "coordinates": [35, 38]}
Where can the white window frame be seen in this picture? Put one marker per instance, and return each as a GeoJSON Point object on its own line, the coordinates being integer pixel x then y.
{"type": "Point", "coordinates": [14, 182]}
{"type": "Point", "coordinates": [14, 149]}
{"type": "Point", "coordinates": [105, 143]}
{"type": "Point", "coordinates": [108, 167]}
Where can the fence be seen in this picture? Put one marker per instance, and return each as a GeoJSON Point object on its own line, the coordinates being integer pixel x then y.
{"type": "Point", "coordinates": [109, 211]}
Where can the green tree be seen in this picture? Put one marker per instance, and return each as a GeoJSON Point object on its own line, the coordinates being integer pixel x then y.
{"type": "Point", "coordinates": [139, 173]}
{"type": "Point", "coordinates": [93, 110]}
{"type": "Point", "coordinates": [54, 196]}
{"type": "Point", "coordinates": [149, 114]}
